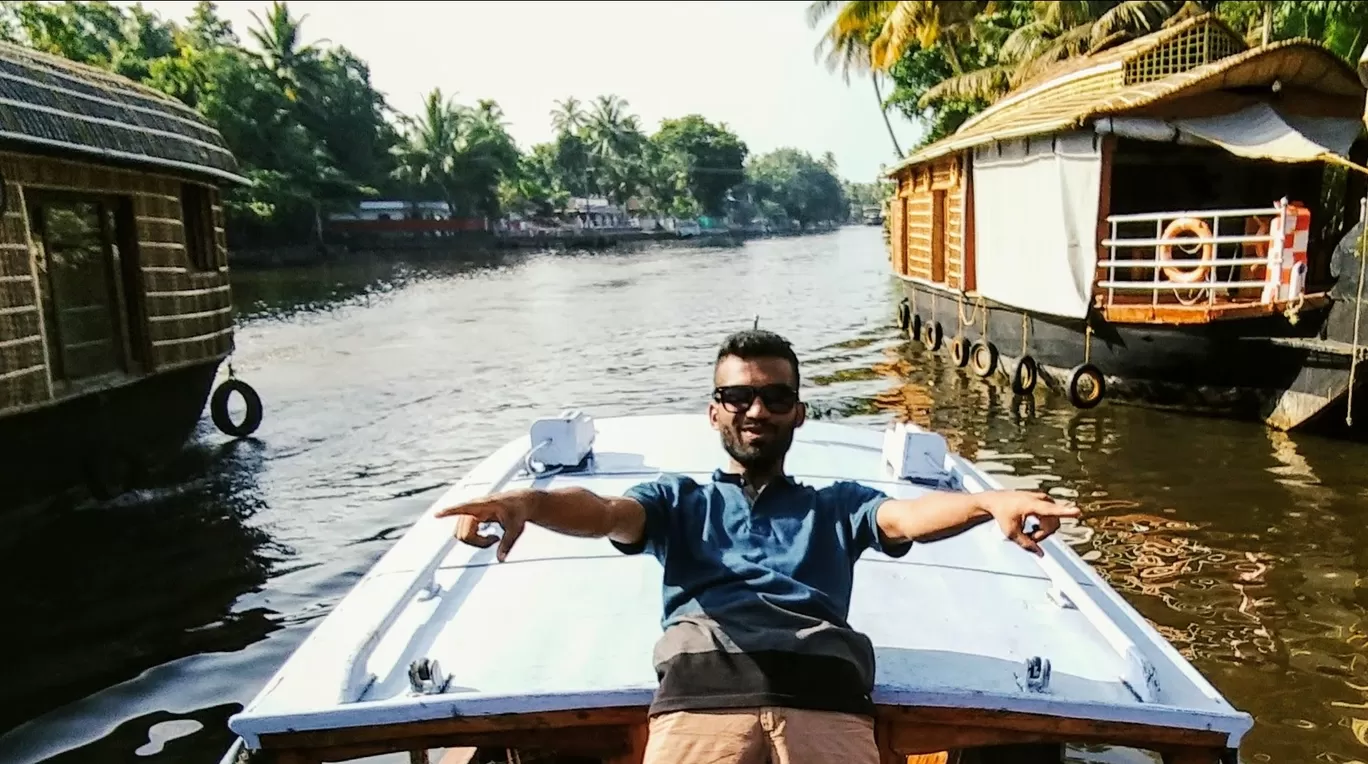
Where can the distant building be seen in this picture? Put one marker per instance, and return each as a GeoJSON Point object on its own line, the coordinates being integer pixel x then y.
{"type": "Point", "coordinates": [596, 212]}
{"type": "Point", "coordinates": [378, 209]}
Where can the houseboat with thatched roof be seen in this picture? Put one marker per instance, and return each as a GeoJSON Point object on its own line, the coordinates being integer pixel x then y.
{"type": "Point", "coordinates": [1167, 222]}
{"type": "Point", "coordinates": [115, 310]}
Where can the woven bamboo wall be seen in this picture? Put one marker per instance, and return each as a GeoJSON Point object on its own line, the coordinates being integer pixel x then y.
{"type": "Point", "coordinates": [919, 186]}
{"type": "Point", "coordinates": [189, 311]}
{"type": "Point", "coordinates": [23, 364]}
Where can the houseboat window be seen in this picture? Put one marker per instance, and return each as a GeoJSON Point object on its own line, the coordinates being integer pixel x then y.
{"type": "Point", "coordinates": [200, 242]}
{"type": "Point", "coordinates": [80, 304]}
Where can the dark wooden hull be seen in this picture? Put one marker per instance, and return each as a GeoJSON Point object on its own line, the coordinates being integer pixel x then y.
{"type": "Point", "coordinates": [1264, 368]}
{"type": "Point", "coordinates": [97, 444]}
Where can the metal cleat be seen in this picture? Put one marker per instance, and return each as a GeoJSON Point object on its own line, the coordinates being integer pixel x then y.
{"type": "Point", "coordinates": [1037, 674]}
{"type": "Point", "coordinates": [426, 677]}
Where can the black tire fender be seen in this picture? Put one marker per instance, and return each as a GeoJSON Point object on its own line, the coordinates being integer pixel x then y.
{"type": "Point", "coordinates": [959, 351]}
{"type": "Point", "coordinates": [1025, 375]}
{"type": "Point", "coordinates": [934, 336]}
{"type": "Point", "coordinates": [983, 358]}
{"type": "Point", "coordinates": [218, 408]}
{"type": "Point", "coordinates": [1085, 386]}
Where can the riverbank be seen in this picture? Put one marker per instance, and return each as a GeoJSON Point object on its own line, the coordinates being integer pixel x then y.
{"type": "Point", "coordinates": [478, 244]}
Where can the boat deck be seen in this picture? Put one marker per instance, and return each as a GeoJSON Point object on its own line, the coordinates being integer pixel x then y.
{"type": "Point", "coordinates": [568, 624]}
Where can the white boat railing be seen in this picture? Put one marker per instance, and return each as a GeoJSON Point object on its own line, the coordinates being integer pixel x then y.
{"type": "Point", "coordinates": [1207, 285]}
{"type": "Point", "coordinates": [355, 678]}
{"type": "Point", "coordinates": [1138, 673]}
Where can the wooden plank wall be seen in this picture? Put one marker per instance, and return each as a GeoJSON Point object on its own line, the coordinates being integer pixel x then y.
{"type": "Point", "coordinates": [189, 311]}
{"type": "Point", "coordinates": [919, 186]}
{"type": "Point", "coordinates": [897, 232]}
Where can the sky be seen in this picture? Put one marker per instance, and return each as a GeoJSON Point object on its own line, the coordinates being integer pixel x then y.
{"type": "Point", "coordinates": [749, 65]}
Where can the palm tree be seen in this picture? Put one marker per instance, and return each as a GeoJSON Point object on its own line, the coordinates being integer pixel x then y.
{"type": "Point", "coordinates": [846, 43]}
{"type": "Point", "coordinates": [426, 158]}
{"type": "Point", "coordinates": [568, 116]}
{"type": "Point", "coordinates": [927, 23]}
{"type": "Point", "coordinates": [616, 146]}
{"type": "Point", "coordinates": [1059, 30]}
{"type": "Point", "coordinates": [279, 38]}
{"type": "Point", "coordinates": [462, 153]}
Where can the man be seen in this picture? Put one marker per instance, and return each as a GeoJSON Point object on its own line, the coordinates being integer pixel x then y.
{"type": "Point", "coordinates": [757, 660]}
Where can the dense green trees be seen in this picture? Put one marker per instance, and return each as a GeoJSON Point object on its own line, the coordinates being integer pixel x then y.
{"type": "Point", "coordinates": [314, 136]}
{"type": "Point", "coordinates": [949, 59]}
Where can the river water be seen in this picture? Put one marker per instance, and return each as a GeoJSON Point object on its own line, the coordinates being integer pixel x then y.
{"type": "Point", "coordinates": [138, 626]}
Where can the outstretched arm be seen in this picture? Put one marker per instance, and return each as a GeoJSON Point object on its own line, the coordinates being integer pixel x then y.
{"type": "Point", "coordinates": [573, 511]}
{"type": "Point", "coordinates": [943, 514]}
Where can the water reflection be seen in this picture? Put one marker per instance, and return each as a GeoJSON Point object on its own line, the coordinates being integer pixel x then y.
{"type": "Point", "coordinates": [1226, 537]}
{"type": "Point", "coordinates": [283, 293]}
{"type": "Point", "coordinates": [113, 591]}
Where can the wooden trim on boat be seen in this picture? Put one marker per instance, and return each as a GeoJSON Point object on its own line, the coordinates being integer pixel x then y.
{"type": "Point", "coordinates": [607, 743]}
{"type": "Point", "coordinates": [1202, 314]}
{"type": "Point", "coordinates": [1104, 205]}
{"type": "Point", "coordinates": [927, 730]}
{"type": "Point", "coordinates": [459, 725]}
{"type": "Point", "coordinates": [619, 735]}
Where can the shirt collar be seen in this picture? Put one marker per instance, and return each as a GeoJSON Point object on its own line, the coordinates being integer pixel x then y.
{"type": "Point", "coordinates": [722, 476]}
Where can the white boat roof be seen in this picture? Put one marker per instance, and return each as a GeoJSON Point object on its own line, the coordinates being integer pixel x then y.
{"type": "Point", "coordinates": [570, 623]}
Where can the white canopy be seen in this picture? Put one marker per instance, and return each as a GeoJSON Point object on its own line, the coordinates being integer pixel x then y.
{"type": "Point", "coordinates": [1035, 222]}
{"type": "Point", "coordinates": [1256, 132]}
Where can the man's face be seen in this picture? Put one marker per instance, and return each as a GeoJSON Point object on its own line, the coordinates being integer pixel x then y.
{"type": "Point", "coordinates": [756, 435]}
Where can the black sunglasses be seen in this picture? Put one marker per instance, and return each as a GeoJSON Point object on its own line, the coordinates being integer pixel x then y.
{"type": "Point", "coordinates": [779, 399]}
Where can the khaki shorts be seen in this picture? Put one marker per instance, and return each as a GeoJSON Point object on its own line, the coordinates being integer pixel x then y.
{"type": "Point", "coordinates": [759, 735]}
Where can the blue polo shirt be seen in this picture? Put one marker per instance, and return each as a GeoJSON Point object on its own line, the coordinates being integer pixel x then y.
{"type": "Point", "coordinates": [756, 594]}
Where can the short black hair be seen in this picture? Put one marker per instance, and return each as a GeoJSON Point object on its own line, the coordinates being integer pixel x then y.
{"type": "Point", "coordinates": [758, 343]}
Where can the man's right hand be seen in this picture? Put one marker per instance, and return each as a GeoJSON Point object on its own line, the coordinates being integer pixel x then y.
{"type": "Point", "coordinates": [511, 509]}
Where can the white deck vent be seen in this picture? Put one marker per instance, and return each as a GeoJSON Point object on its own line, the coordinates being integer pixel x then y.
{"type": "Point", "coordinates": [561, 441]}
{"type": "Point", "coordinates": [916, 455]}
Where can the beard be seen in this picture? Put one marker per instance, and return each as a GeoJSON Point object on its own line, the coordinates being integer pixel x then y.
{"type": "Point", "coordinates": [758, 456]}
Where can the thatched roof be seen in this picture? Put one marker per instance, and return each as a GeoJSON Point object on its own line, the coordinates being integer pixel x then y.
{"type": "Point", "coordinates": [54, 104]}
{"type": "Point", "coordinates": [1192, 42]}
{"type": "Point", "coordinates": [1197, 56]}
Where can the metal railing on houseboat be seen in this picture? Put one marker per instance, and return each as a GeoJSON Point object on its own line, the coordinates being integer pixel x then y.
{"type": "Point", "coordinates": [1198, 277]}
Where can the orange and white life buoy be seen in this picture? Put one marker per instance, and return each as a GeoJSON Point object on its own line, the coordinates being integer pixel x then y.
{"type": "Point", "coordinates": [1197, 228]}
{"type": "Point", "coordinates": [1254, 226]}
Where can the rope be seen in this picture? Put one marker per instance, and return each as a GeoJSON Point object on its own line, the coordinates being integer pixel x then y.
{"type": "Point", "coordinates": [1196, 295]}
{"type": "Point", "coordinates": [1087, 342]}
{"type": "Point", "coordinates": [1025, 326]}
{"type": "Point", "coordinates": [980, 308]}
{"type": "Point", "coordinates": [1294, 310]}
{"type": "Point", "coordinates": [1341, 161]}
{"type": "Point", "coordinates": [1358, 311]}
{"type": "Point", "coordinates": [544, 470]}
